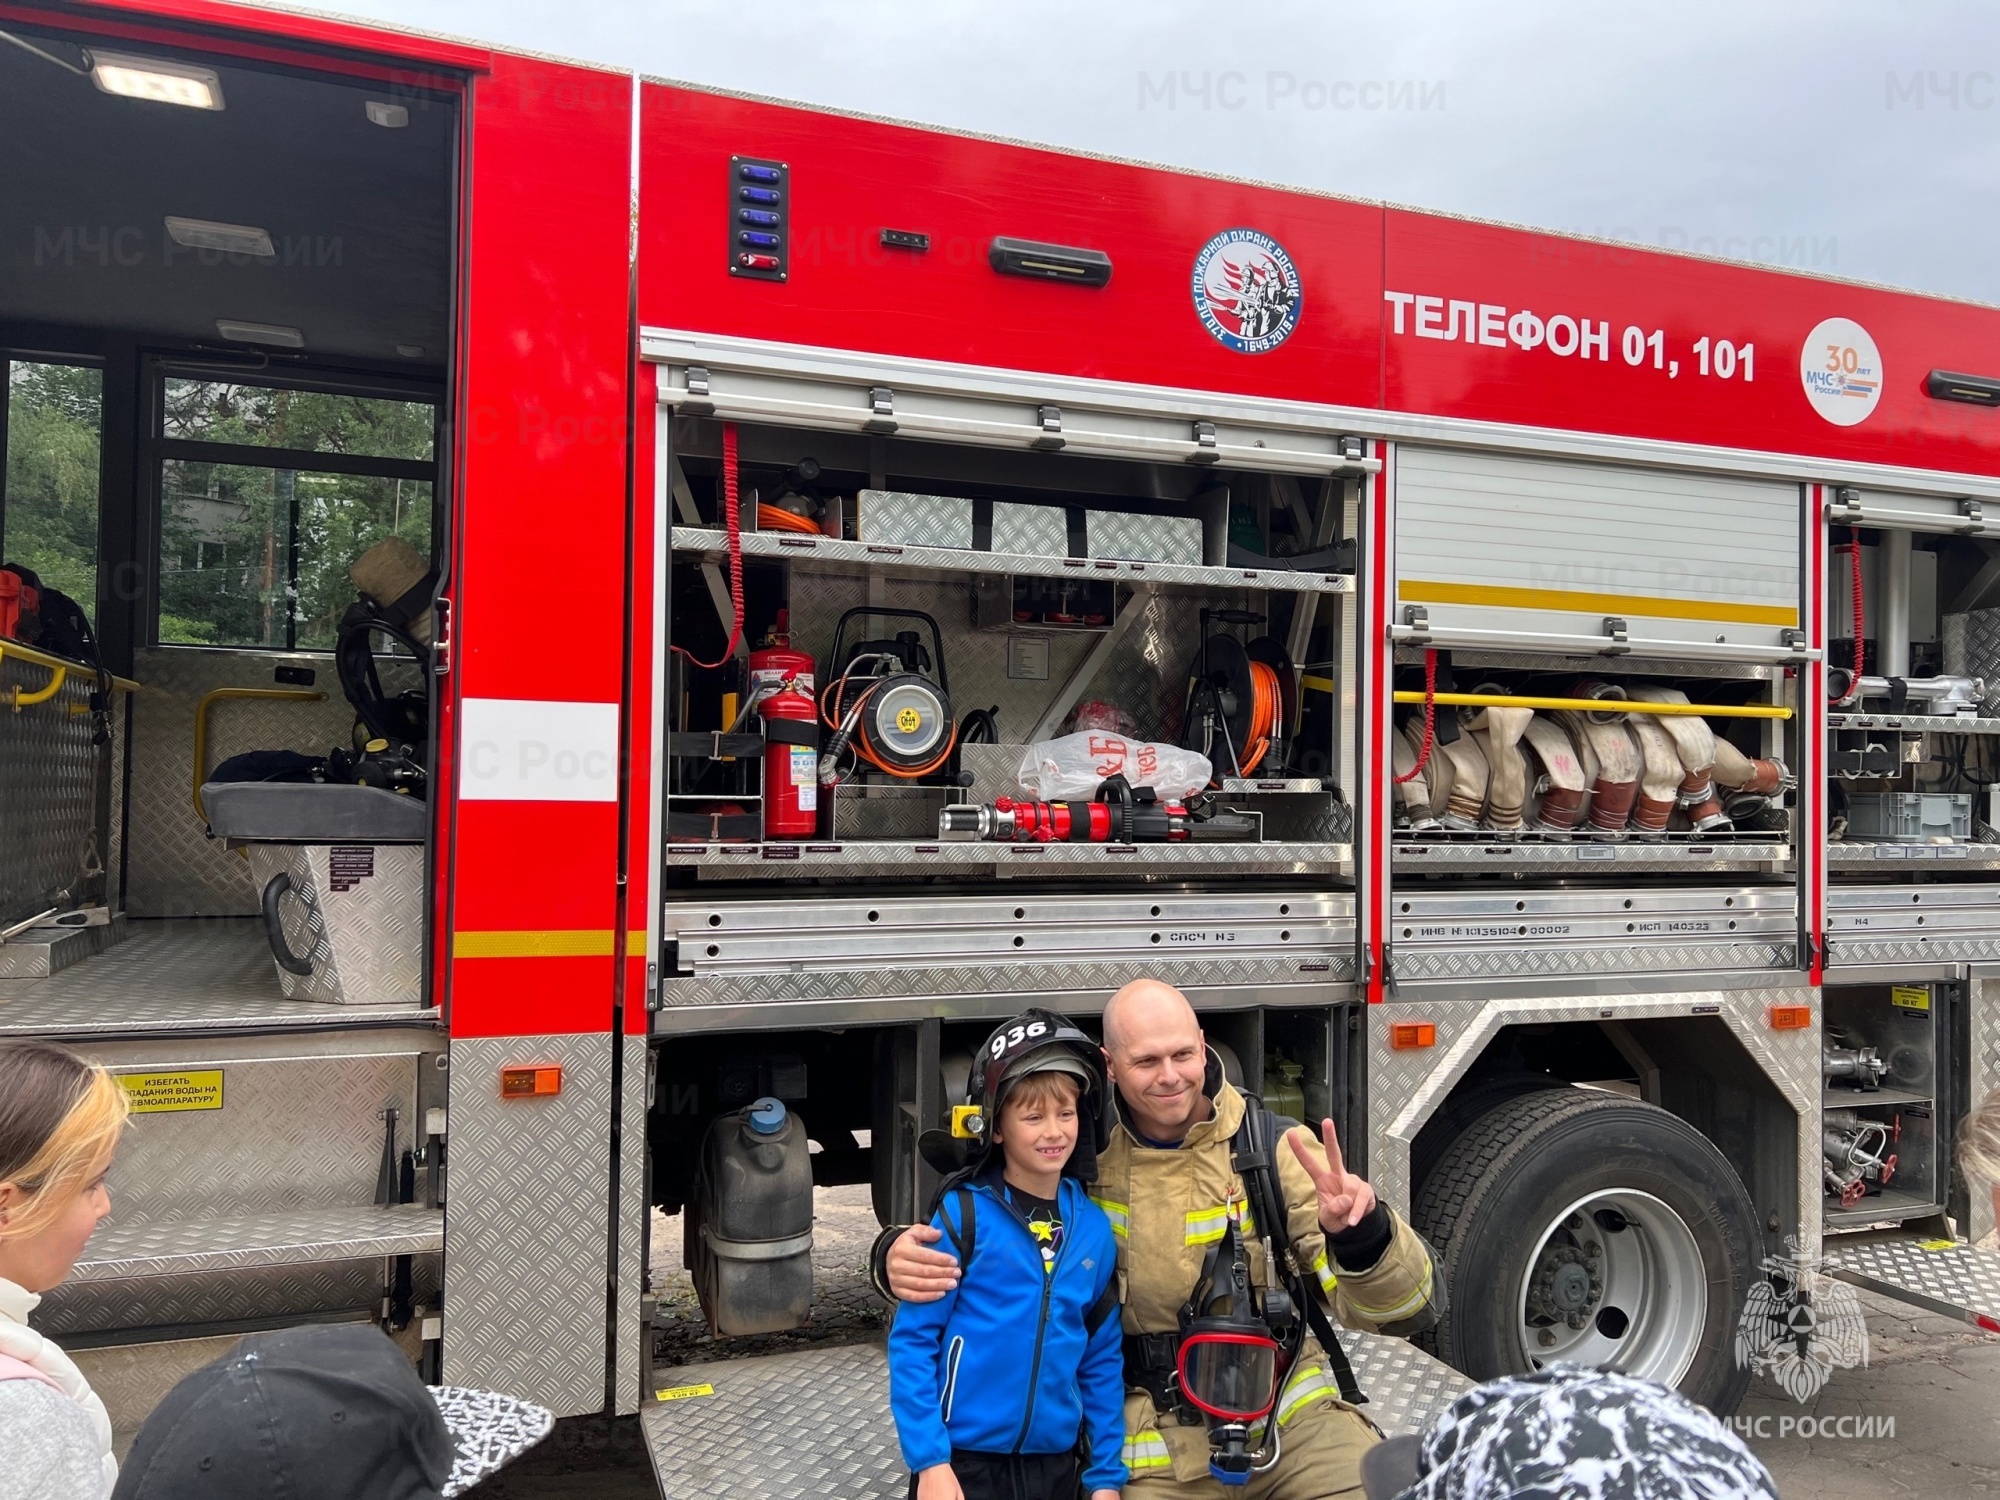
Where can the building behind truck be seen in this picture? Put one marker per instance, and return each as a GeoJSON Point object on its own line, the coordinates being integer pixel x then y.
{"type": "Point", "coordinates": [832, 540]}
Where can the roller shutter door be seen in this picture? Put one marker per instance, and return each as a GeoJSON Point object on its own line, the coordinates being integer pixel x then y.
{"type": "Point", "coordinates": [1551, 550]}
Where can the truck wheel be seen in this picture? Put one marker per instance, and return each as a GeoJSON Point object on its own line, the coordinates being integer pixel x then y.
{"type": "Point", "coordinates": [1586, 1228]}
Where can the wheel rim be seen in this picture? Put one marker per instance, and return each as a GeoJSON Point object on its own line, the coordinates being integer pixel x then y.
{"type": "Point", "coordinates": [1616, 1282]}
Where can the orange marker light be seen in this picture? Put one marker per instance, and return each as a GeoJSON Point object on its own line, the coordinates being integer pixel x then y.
{"type": "Point", "coordinates": [1407, 1036]}
{"type": "Point", "coordinates": [530, 1083]}
{"type": "Point", "coordinates": [1791, 1017]}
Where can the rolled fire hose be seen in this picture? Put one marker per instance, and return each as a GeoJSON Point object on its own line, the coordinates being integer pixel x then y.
{"type": "Point", "coordinates": [1507, 785]}
{"type": "Point", "coordinates": [1740, 773]}
{"type": "Point", "coordinates": [1694, 738]}
{"type": "Point", "coordinates": [1563, 799]}
{"type": "Point", "coordinates": [1660, 782]}
{"type": "Point", "coordinates": [1436, 776]}
{"type": "Point", "coordinates": [1468, 782]}
{"type": "Point", "coordinates": [1616, 787]}
{"type": "Point", "coordinates": [1414, 794]}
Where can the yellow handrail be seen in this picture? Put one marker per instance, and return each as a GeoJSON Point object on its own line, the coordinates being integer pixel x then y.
{"type": "Point", "coordinates": [209, 700]}
{"type": "Point", "coordinates": [1602, 705]}
{"type": "Point", "coordinates": [58, 663]}
{"type": "Point", "coordinates": [22, 700]}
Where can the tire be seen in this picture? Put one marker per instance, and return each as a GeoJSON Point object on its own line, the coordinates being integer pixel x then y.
{"type": "Point", "coordinates": [1619, 1209]}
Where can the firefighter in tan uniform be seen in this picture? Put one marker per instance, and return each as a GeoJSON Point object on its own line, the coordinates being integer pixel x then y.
{"type": "Point", "coordinates": [1167, 1182]}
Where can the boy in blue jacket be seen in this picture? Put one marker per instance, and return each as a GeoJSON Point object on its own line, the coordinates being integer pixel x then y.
{"type": "Point", "coordinates": [1012, 1386]}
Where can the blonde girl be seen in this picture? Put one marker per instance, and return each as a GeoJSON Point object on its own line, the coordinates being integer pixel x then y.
{"type": "Point", "coordinates": [60, 1119]}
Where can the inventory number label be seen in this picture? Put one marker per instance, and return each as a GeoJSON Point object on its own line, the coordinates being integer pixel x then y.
{"type": "Point", "coordinates": [1517, 929]}
{"type": "Point", "coordinates": [172, 1093]}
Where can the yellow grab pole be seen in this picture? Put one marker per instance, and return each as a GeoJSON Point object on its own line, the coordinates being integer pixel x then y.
{"type": "Point", "coordinates": [1602, 705]}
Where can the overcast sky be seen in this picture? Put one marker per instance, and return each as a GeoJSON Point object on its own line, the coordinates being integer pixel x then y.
{"type": "Point", "coordinates": [1852, 137]}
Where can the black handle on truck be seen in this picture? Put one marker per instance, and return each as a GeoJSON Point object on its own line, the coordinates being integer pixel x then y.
{"type": "Point", "coordinates": [275, 890]}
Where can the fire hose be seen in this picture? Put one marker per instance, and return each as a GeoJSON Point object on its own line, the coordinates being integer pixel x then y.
{"type": "Point", "coordinates": [1611, 745]}
{"type": "Point", "coordinates": [1499, 731]}
{"type": "Point", "coordinates": [1660, 779]}
{"type": "Point", "coordinates": [1563, 800]}
{"type": "Point", "coordinates": [1695, 739]}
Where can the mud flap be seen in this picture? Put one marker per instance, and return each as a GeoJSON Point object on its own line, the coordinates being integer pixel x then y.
{"type": "Point", "coordinates": [1947, 1277]}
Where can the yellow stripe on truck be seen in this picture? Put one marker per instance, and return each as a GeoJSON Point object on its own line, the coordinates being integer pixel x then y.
{"type": "Point", "coordinates": [1651, 606]}
{"type": "Point", "coordinates": [583, 942]}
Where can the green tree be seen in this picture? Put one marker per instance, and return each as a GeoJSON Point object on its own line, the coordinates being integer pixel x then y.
{"type": "Point", "coordinates": [49, 524]}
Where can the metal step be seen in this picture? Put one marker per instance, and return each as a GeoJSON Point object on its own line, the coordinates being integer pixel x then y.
{"type": "Point", "coordinates": [42, 951]}
{"type": "Point", "coordinates": [1947, 1277]}
{"type": "Point", "coordinates": [312, 1236]}
{"type": "Point", "coordinates": [814, 1423]}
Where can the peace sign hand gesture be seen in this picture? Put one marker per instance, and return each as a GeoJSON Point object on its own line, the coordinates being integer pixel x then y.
{"type": "Point", "coordinates": [1344, 1199]}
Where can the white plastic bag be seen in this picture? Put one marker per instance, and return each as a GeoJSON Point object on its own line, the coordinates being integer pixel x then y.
{"type": "Point", "coordinates": [1073, 766]}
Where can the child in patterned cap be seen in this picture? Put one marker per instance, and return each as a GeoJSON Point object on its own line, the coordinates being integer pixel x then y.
{"type": "Point", "coordinates": [1567, 1433]}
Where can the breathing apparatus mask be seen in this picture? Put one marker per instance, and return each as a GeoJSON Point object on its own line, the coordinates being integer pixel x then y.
{"type": "Point", "coordinates": [1236, 1346]}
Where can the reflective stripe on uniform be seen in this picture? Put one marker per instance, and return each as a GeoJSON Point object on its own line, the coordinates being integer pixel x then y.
{"type": "Point", "coordinates": [1407, 1308]}
{"type": "Point", "coordinates": [1146, 1449]}
{"type": "Point", "coordinates": [1327, 1280]}
{"type": "Point", "coordinates": [1119, 1214]}
{"type": "Point", "coordinates": [1204, 1226]}
{"type": "Point", "coordinates": [1304, 1388]}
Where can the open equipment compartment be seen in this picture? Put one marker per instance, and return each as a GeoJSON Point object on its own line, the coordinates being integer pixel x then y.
{"type": "Point", "coordinates": [1139, 599]}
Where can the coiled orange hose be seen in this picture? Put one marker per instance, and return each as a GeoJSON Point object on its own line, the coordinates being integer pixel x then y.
{"type": "Point", "coordinates": [1265, 699]}
{"type": "Point", "coordinates": [1430, 719]}
{"type": "Point", "coordinates": [777, 518]}
{"type": "Point", "coordinates": [832, 719]}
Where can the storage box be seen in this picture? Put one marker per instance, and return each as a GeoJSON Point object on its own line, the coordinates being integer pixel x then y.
{"type": "Point", "coordinates": [1030, 530]}
{"type": "Point", "coordinates": [1909, 816]}
{"type": "Point", "coordinates": [1132, 537]}
{"type": "Point", "coordinates": [893, 518]}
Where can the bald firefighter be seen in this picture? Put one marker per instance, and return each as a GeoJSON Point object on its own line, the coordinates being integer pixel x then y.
{"type": "Point", "coordinates": [1169, 1182]}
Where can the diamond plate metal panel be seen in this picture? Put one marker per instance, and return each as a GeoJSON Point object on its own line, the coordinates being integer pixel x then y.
{"type": "Point", "coordinates": [1913, 924]}
{"type": "Point", "coordinates": [138, 1250]}
{"type": "Point", "coordinates": [1953, 1279]}
{"type": "Point", "coordinates": [1009, 861]}
{"type": "Point", "coordinates": [174, 869]}
{"type": "Point", "coordinates": [1008, 982]}
{"type": "Point", "coordinates": [915, 520]}
{"type": "Point", "coordinates": [815, 1423]}
{"type": "Point", "coordinates": [293, 1134]}
{"type": "Point", "coordinates": [361, 934]}
{"type": "Point", "coordinates": [1405, 1088]}
{"type": "Point", "coordinates": [528, 1223]}
{"type": "Point", "coordinates": [1971, 644]}
{"type": "Point", "coordinates": [1414, 964]}
{"type": "Point", "coordinates": [823, 554]}
{"type": "Point", "coordinates": [48, 793]}
{"type": "Point", "coordinates": [634, 1218]}
{"type": "Point", "coordinates": [190, 975]}
{"type": "Point", "coordinates": [132, 1379]}
{"type": "Point", "coordinates": [190, 1302]}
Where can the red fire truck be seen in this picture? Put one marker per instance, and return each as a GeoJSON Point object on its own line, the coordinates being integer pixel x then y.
{"type": "Point", "coordinates": [575, 641]}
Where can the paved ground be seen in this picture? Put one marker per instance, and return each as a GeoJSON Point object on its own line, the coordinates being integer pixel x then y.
{"type": "Point", "coordinates": [1938, 1381]}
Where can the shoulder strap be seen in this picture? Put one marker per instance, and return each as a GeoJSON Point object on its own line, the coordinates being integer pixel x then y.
{"type": "Point", "coordinates": [1253, 1153]}
{"type": "Point", "coordinates": [1104, 1308]}
{"type": "Point", "coordinates": [964, 1234]}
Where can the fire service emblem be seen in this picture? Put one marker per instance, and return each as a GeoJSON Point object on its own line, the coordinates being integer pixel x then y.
{"type": "Point", "coordinates": [1246, 291]}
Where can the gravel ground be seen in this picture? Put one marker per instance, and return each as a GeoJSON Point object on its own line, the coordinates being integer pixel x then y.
{"type": "Point", "coordinates": [1939, 1380]}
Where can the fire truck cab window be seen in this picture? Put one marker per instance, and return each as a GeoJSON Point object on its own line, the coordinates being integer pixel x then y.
{"type": "Point", "coordinates": [48, 507]}
{"type": "Point", "coordinates": [257, 554]}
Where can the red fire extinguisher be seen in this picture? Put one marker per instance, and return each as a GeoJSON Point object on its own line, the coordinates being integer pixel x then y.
{"type": "Point", "coordinates": [775, 661]}
{"type": "Point", "coordinates": [791, 761]}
